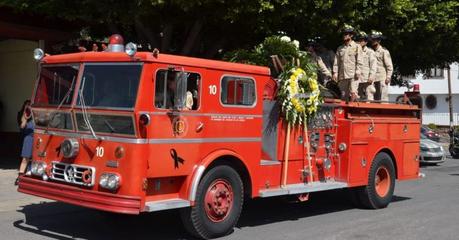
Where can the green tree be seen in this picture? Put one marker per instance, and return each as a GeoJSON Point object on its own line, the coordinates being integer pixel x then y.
{"type": "Point", "coordinates": [420, 34]}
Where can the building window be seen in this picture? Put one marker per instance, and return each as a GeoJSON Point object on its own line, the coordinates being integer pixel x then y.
{"type": "Point", "coordinates": [436, 73]}
{"type": "Point", "coordinates": [431, 101]}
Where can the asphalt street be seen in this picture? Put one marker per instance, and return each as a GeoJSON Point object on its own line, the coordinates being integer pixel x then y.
{"type": "Point", "coordinates": [427, 208]}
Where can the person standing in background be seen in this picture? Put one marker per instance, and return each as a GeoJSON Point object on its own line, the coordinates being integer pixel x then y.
{"type": "Point", "coordinates": [347, 65]}
{"type": "Point", "coordinates": [384, 67]}
{"type": "Point", "coordinates": [26, 126]}
{"type": "Point", "coordinates": [327, 55]}
{"type": "Point", "coordinates": [366, 88]}
{"type": "Point", "coordinates": [323, 72]}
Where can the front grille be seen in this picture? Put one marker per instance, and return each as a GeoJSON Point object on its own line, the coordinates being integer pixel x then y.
{"type": "Point", "coordinates": [432, 158]}
{"type": "Point", "coordinates": [72, 173]}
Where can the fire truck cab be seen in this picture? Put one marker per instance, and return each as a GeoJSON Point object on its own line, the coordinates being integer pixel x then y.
{"type": "Point", "coordinates": [132, 132]}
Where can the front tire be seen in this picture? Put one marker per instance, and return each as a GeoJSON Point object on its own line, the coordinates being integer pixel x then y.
{"type": "Point", "coordinates": [218, 205]}
{"type": "Point", "coordinates": [381, 183]}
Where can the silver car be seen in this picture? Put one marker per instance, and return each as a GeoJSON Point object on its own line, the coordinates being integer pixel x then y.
{"type": "Point", "coordinates": [431, 152]}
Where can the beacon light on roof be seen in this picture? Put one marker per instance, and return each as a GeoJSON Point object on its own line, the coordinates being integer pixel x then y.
{"type": "Point", "coordinates": [116, 43]}
{"type": "Point", "coordinates": [130, 49]}
{"type": "Point", "coordinates": [38, 54]}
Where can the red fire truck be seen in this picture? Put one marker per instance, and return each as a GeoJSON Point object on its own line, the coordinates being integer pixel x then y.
{"type": "Point", "coordinates": [131, 132]}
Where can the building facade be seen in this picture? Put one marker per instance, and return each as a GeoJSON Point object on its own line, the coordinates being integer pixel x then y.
{"type": "Point", "coordinates": [434, 93]}
{"type": "Point", "coordinates": [20, 34]}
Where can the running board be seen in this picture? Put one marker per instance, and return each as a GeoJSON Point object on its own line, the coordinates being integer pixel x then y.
{"type": "Point", "coordinates": [302, 188]}
{"type": "Point", "coordinates": [155, 206]}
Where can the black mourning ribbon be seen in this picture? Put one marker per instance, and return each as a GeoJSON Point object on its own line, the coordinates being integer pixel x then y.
{"type": "Point", "coordinates": [177, 160]}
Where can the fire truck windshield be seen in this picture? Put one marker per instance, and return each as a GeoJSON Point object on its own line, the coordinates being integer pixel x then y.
{"type": "Point", "coordinates": [109, 85]}
{"type": "Point", "coordinates": [56, 85]}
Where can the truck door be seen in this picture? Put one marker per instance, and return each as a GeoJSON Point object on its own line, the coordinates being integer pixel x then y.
{"type": "Point", "coordinates": [174, 132]}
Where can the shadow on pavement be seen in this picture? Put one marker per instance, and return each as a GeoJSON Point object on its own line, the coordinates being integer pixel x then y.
{"type": "Point", "coordinates": [62, 221]}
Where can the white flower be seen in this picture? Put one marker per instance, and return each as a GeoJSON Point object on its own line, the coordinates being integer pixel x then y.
{"type": "Point", "coordinates": [296, 43]}
{"type": "Point", "coordinates": [286, 39]}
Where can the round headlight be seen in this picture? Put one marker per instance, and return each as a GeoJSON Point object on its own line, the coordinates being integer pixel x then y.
{"type": "Point", "coordinates": [103, 180]}
{"type": "Point", "coordinates": [34, 168]}
{"type": "Point", "coordinates": [70, 147]}
{"type": "Point", "coordinates": [41, 167]}
{"type": "Point", "coordinates": [38, 54]}
{"type": "Point", "coordinates": [130, 49]}
{"type": "Point", "coordinates": [113, 182]}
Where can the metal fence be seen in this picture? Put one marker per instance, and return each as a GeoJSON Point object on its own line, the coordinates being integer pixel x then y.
{"type": "Point", "coordinates": [439, 119]}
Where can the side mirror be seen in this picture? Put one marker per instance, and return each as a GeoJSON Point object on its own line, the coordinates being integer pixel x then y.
{"type": "Point", "coordinates": [180, 95]}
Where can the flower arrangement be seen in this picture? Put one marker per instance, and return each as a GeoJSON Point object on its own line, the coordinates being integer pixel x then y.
{"type": "Point", "coordinates": [299, 94]}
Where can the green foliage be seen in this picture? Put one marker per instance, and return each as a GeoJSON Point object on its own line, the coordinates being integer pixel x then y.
{"type": "Point", "coordinates": [432, 126]}
{"type": "Point", "coordinates": [420, 34]}
{"type": "Point", "coordinates": [298, 93]}
{"type": "Point", "coordinates": [282, 47]}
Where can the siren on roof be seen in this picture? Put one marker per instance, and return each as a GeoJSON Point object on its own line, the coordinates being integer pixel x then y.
{"type": "Point", "coordinates": [116, 43]}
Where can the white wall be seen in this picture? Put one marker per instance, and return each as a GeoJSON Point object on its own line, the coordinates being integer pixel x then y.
{"type": "Point", "coordinates": [18, 72]}
{"type": "Point", "coordinates": [438, 87]}
{"type": "Point", "coordinates": [433, 85]}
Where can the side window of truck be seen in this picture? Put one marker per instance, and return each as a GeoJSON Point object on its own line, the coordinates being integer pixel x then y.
{"type": "Point", "coordinates": [167, 95]}
{"type": "Point", "coordinates": [238, 91]}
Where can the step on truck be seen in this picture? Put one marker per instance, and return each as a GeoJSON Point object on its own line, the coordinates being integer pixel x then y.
{"type": "Point", "coordinates": [132, 132]}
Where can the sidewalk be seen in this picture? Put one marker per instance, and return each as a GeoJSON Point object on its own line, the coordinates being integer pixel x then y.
{"type": "Point", "coordinates": [10, 198]}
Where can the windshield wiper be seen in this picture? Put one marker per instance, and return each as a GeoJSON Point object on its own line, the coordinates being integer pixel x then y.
{"type": "Point", "coordinates": [84, 112]}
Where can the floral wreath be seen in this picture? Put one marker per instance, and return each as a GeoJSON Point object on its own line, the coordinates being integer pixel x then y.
{"type": "Point", "coordinates": [299, 95]}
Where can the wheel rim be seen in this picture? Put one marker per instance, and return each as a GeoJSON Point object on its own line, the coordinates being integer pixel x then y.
{"type": "Point", "coordinates": [382, 181]}
{"type": "Point", "coordinates": [219, 200]}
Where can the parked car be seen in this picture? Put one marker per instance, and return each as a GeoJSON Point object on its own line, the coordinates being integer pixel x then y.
{"type": "Point", "coordinates": [431, 152]}
{"type": "Point", "coordinates": [454, 145]}
{"type": "Point", "coordinates": [430, 134]}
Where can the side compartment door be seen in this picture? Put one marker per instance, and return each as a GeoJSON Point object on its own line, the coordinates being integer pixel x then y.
{"type": "Point", "coordinates": [358, 163]}
{"type": "Point", "coordinates": [410, 159]}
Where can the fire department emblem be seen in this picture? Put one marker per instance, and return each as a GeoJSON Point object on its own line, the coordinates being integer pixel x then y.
{"type": "Point", "coordinates": [179, 126]}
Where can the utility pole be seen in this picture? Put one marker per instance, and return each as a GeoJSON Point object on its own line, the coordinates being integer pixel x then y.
{"type": "Point", "coordinates": [450, 102]}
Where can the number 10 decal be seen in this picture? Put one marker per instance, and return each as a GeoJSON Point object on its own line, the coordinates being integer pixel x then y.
{"type": "Point", "coordinates": [213, 89]}
{"type": "Point", "coordinates": [99, 151]}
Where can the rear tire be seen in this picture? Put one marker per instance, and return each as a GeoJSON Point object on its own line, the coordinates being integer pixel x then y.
{"type": "Point", "coordinates": [218, 204]}
{"type": "Point", "coordinates": [381, 183]}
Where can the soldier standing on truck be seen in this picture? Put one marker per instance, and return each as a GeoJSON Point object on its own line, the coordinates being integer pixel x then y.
{"type": "Point", "coordinates": [366, 87]}
{"type": "Point", "coordinates": [384, 67]}
{"type": "Point", "coordinates": [347, 65]}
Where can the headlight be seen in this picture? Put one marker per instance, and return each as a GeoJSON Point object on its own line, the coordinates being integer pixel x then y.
{"type": "Point", "coordinates": [113, 182]}
{"type": "Point", "coordinates": [38, 168]}
{"type": "Point", "coordinates": [441, 148]}
{"type": "Point", "coordinates": [41, 169]}
{"type": "Point", "coordinates": [110, 181]}
{"type": "Point", "coordinates": [103, 180]}
{"type": "Point", "coordinates": [34, 168]}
